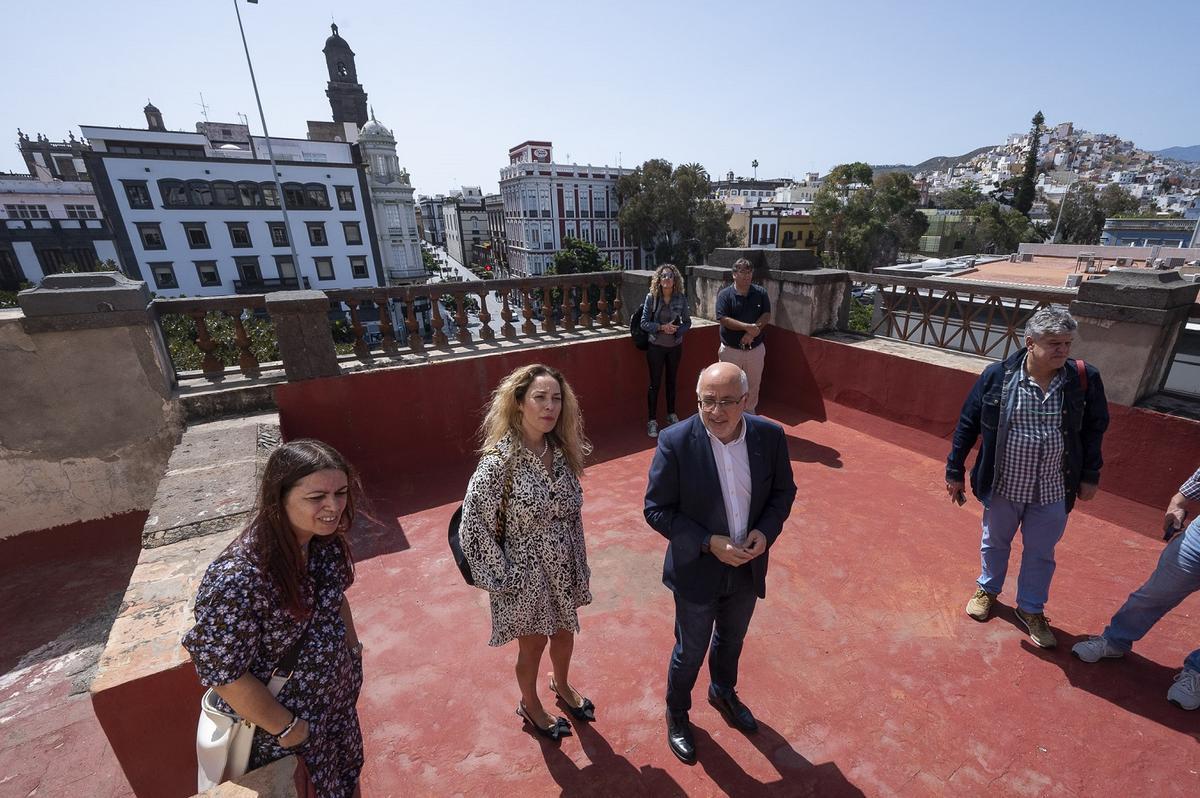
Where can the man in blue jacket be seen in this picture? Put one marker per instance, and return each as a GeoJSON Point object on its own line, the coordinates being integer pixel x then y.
{"type": "Point", "coordinates": [720, 489]}
{"type": "Point", "coordinates": [1042, 416]}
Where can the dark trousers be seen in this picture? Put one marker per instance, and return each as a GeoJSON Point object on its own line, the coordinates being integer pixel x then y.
{"type": "Point", "coordinates": [656, 358]}
{"type": "Point", "coordinates": [729, 616]}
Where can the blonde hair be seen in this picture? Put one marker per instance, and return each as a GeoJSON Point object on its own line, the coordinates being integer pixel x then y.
{"type": "Point", "coordinates": [504, 415]}
{"type": "Point", "coordinates": [656, 289]}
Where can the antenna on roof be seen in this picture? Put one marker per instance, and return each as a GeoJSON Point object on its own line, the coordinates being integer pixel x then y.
{"type": "Point", "coordinates": [203, 107]}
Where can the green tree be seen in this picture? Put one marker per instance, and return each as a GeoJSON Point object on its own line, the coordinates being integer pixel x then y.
{"type": "Point", "coordinates": [1080, 217]}
{"type": "Point", "coordinates": [432, 265]}
{"type": "Point", "coordinates": [1116, 201]}
{"type": "Point", "coordinates": [967, 198]}
{"type": "Point", "coordinates": [180, 334]}
{"type": "Point", "coordinates": [993, 229]}
{"type": "Point", "coordinates": [1023, 200]}
{"type": "Point", "coordinates": [866, 226]}
{"type": "Point", "coordinates": [579, 257]}
{"type": "Point", "coordinates": [666, 210]}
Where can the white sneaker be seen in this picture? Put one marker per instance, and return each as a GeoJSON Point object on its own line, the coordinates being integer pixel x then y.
{"type": "Point", "coordinates": [672, 419]}
{"type": "Point", "coordinates": [1185, 693]}
{"type": "Point", "coordinates": [652, 429]}
{"type": "Point", "coordinates": [1095, 649]}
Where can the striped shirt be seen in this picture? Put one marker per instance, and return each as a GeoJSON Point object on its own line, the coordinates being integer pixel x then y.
{"type": "Point", "coordinates": [1191, 488]}
{"type": "Point", "coordinates": [1032, 461]}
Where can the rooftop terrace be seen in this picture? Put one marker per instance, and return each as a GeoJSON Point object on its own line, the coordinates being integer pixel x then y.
{"type": "Point", "coordinates": [867, 675]}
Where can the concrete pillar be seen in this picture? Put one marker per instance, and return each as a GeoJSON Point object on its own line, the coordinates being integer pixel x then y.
{"type": "Point", "coordinates": [634, 287]}
{"type": "Point", "coordinates": [1129, 323]}
{"type": "Point", "coordinates": [809, 302]}
{"type": "Point", "coordinates": [88, 415]}
{"type": "Point", "coordinates": [305, 340]}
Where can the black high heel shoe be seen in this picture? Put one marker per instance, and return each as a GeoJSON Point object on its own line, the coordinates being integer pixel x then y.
{"type": "Point", "coordinates": [586, 710]}
{"type": "Point", "coordinates": [559, 729]}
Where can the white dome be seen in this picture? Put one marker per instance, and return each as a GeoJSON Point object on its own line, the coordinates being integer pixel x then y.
{"type": "Point", "coordinates": [374, 128]}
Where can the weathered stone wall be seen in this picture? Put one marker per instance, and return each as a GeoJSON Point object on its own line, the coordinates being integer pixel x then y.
{"type": "Point", "coordinates": [87, 421]}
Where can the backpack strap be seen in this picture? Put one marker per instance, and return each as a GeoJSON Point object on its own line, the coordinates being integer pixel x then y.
{"type": "Point", "coordinates": [1081, 368]}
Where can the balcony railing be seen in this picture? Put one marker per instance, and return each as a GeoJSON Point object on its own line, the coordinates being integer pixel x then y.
{"type": "Point", "coordinates": [268, 284]}
{"type": "Point", "coordinates": [212, 338]}
{"type": "Point", "coordinates": [954, 314]}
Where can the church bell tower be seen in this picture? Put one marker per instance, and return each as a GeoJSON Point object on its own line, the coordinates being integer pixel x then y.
{"type": "Point", "coordinates": [346, 96]}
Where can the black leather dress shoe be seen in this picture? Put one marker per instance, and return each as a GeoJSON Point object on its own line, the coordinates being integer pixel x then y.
{"type": "Point", "coordinates": [680, 739]}
{"type": "Point", "coordinates": [734, 710]}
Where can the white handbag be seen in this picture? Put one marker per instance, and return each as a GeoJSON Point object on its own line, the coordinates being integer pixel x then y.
{"type": "Point", "coordinates": [223, 739]}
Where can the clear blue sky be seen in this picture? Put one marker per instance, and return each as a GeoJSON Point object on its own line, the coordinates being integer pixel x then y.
{"type": "Point", "coordinates": [799, 86]}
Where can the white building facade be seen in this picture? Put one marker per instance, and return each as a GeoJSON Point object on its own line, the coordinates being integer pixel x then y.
{"type": "Point", "coordinates": [547, 202]}
{"type": "Point", "coordinates": [196, 218]}
{"type": "Point", "coordinates": [391, 197]}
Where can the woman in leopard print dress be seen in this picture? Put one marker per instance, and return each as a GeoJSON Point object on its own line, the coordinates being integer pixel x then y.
{"type": "Point", "coordinates": [536, 571]}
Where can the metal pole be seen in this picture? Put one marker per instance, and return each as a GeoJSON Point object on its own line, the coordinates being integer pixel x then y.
{"type": "Point", "coordinates": [270, 155]}
{"type": "Point", "coordinates": [1066, 196]}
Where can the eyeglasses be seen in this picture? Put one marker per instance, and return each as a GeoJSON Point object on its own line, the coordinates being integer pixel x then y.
{"type": "Point", "coordinates": [666, 277]}
{"type": "Point", "coordinates": [709, 404]}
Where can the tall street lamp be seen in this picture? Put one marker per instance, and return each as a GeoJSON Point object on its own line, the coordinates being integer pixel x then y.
{"type": "Point", "coordinates": [270, 155]}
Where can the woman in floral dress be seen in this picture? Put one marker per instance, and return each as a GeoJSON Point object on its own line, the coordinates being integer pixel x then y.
{"type": "Point", "coordinates": [535, 569]}
{"type": "Point", "coordinates": [281, 580]}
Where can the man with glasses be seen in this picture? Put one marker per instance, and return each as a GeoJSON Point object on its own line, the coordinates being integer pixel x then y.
{"type": "Point", "coordinates": [1042, 417]}
{"type": "Point", "coordinates": [743, 310]}
{"type": "Point", "coordinates": [717, 554]}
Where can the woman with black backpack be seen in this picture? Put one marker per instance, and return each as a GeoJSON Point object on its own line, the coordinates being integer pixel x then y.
{"type": "Point", "coordinates": [665, 319]}
{"type": "Point", "coordinates": [522, 533]}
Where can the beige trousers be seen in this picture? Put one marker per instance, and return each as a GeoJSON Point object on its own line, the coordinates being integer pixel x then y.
{"type": "Point", "coordinates": [749, 361]}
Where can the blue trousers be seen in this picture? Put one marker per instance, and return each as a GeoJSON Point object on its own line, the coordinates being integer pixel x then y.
{"type": "Point", "coordinates": [1042, 526]}
{"type": "Point", "coordinates": [1176, 577]}
{"type": "Point", "coordinates": [728, 615]}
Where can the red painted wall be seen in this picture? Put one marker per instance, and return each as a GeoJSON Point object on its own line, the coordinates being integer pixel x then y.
{"type": "Point", "coordinates": [423, 419]}
{"type": "Point", "coordinates": [1147, 455]}
{"type": "Point", "coordinates": [151, 725]}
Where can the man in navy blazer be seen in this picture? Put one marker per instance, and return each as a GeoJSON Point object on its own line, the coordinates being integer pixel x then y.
{"type": "Point", "coordinates": [720, 489]}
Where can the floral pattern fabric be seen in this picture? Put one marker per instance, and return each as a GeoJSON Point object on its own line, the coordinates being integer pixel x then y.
{"type": "Point", "coordinates": [242, 626]}
{"type": "Point", "coordinates": [539, 577]}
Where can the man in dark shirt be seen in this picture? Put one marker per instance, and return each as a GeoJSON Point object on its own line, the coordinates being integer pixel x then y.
{"type": "Point", "coordinates": [743, 311]}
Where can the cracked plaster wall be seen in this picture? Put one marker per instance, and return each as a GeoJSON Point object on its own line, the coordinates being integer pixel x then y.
{"type": "Point", "coordinates": [87, 423]}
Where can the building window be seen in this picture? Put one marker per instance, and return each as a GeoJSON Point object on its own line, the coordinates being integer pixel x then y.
{"type": "Point", "coordinates": [151, 235]}
{"type": "Point", "coordinates": [392, 212]}
{"type": "Point", "coordinates": [81, 211]}
{"type": "Point", "coordinates": [316, 234]}
{"type": "Point", "coordinates": [174, 193]}
{"type": "Point", "coordinates": [200, 193]}
{"type": "Point", "coordinates": [270, 194]}
{"type": "Point", "coordinates": [285, 267]}
{"type": "Point", "coordinates": [226, 194]}
{"type": "Point", "coordinates": [248, 270]}
{"type": "Point", "coordinates": [138, 194]}
{"type": "Point", "coordinates": [279, 234]}
{"type": "Point", "coordinates": [197, 235]}
{"type": "Point", "coordinates": [316, 195]}
{"type": "Point", "coordinates": [164, 275]}
{"type": "Point", "coordinates": [358, 266]}
{"type": "Point", "coordinates": [324, 268]}
{"type": "Point", "coordinates": [345, 197]}
{"type": "Point", "coordinates": [239, 234]}
{"type": "Point", "coordinates": [207, 271]}
{"type": "Point", "coordinates": [352, 233]}
{"type": "Point", "coordinates": [24, 211]}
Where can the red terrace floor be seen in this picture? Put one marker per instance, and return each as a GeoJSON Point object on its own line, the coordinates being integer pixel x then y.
{"type": "Point", "coordinates": [59, 592]}
{"type": "Point", "coordinates": [864, 671]}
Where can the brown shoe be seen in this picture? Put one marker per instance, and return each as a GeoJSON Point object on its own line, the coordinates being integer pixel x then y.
{"type": "Point", "coordinates": [980, 605]}
{"type": "Point", "coordinates": [1039, 628]}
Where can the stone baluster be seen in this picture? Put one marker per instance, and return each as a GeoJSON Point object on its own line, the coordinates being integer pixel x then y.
{"type": "Point", "coordinates": [460, 317]}
{"type": "Point", "coordinates": [547, 297]}
{"type": "Point", "coordinates": [435, 311]}
{"type": "Point", "coordinates": [568, 318]}
{"type": "Point", "coordinates": [247, 362]}
{"type": "Point", "coordinates": [617, 316]}
{"type": "Point", "coordinates": [485, 317]}
{"type": "Point", "coordinates": [410, 322]}
{"type": "Point", "coordinates": [360, 342]}
{"type": "Point", "coordinates": [585, 306]}
{"type": "Point", "coordinates": [602, 305]}
{"type": "Point", "coordinates": [527, 311]}
{"type": "Point", "coordinates": [211, 366]}
{"type": "Point", "coordinates": [390, 341]}
{"type": "Point", "coordinates": [508, 330]}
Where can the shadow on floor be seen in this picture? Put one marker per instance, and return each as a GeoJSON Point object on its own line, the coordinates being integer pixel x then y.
{"type": "Point", "coordinates": [1133, 683]}
{"type": "Point", "coordinates": [805, 451]}
{"type": "Point", "coordinates": [799, 778]}
{"type": "Point", "coordinates": [608, 773]}
{"type": "Point", "coordinates": [60, 589]}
